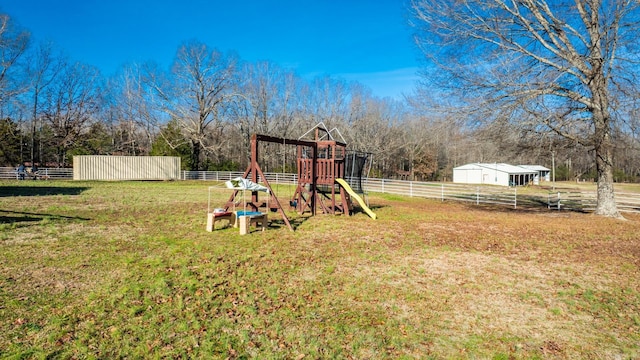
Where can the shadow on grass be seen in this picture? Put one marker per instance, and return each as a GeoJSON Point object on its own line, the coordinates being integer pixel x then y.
{"type": "Point", "coordinates": [531, 208]}
{"type": "Point", "coordinates": [358, 210]}
{"type": "Point", "coordinates": [6, 191]}
{"type": "Point", "coordinates": [278, 223]}
{"type": "Point", "coordinates": [378, 206]}
{"type": "Point", "coordinates": [22, 219]}
{"type": "Point", "coordinates": [18, 219]}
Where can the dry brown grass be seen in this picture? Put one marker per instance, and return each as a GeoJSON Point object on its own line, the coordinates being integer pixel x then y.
{"type": "Point", "coordinates": [127, 270]}
{"type": "Point", "coordinates": [541, 278]}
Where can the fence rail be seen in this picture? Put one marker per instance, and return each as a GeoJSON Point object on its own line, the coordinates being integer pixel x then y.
{"type": "Point", "coordinates": [573, 200]}
{"type": "Point", "coordinates": [45, 173]}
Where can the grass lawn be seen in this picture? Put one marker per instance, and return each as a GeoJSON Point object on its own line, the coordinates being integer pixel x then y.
{"type": "Point", "coordinates": [127, 270]}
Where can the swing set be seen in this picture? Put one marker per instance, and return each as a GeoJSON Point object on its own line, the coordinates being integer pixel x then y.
{"type": "Point", "coordinates": [320, 185]}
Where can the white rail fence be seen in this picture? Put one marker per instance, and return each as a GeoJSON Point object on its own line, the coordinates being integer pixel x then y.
{"type": "Point", "coordinates": [514, 197]}
{"type": "Point", "coordinates": [41, 174]}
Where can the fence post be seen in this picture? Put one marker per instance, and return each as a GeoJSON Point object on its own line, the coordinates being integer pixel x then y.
{"type": "Point", "coordinates": [515, 197]}
{"type": "Point", "coordinates": [383, 186]}
{"type": "Point", "coordinates": [478, 195]}
{"type": "Point", "coordinates": [442, 192]}
{"type": "Point", "coordinates": [558, 200]}
{"type": "Point", "coordinates": [410, 188]}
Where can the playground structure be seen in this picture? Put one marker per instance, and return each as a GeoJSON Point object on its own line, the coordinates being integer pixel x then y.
{"type": "Point", "coordinates": [322, 166]}
{"type": "Point", "coordinates": [243, 219]}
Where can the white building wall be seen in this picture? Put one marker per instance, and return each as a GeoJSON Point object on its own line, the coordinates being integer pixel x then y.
{"type": "Point", "coordinates": [495, 177]}
{"type": "Point", "coordinates": [502, 179]}
{"type": "Point", "coordinates": [467, 176]}
{"type": "Point", "coordinates": [481, 175]}
{"type": "Point", "coordinates": [102, 167]}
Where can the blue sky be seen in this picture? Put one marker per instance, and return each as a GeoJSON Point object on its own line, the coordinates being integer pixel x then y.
{"type": "Point", "coordinates": [364, 40]}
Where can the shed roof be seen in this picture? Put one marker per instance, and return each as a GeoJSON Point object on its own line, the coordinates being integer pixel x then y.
{"type": "Point", "coordinates": [506, 168]}
{"type": "Point", "coordinates": [535, 167]}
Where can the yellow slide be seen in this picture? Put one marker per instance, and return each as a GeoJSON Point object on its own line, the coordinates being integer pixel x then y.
{"type": "Point", "coordinates": [357, 197]}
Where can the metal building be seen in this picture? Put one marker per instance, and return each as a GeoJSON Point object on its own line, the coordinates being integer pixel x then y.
{"type": "Point", "coordinates": [493, 174]}
{"type": "Point", "coordinates": [106, 167]}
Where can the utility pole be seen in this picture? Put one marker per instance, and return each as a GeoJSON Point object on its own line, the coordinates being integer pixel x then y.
{"type": "Point", "coordinates": [553, 168]}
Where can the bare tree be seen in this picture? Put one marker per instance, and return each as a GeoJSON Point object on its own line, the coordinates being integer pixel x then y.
{"type": "Point", "coordinates": [553, 64]}
{"type": "Point", "coordinates": [136, 119]}
{"type": "Point", "coordinates": [195, 95]}
{"type": "Point", "coordinates": [327, 101]}
{"type": "Point", "coordinates": [42, 70]}
{"type": "Point", "coordinates": [378, 127]}
{"type": "Point", "coordinates": [14, 42]}
{"type": "Point", "coordinates": [260, 90]}
{"type": "Point", "coordinates": [73, 103]}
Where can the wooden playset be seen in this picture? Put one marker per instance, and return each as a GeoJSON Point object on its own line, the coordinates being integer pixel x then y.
{"type": "Point", "coordinates": [320, 166]}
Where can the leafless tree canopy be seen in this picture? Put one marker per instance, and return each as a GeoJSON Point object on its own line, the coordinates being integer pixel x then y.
{"type": "Point", "coordinates": [72, 105]}
{"type": "Point", "coordinates": [13, 44]}
{"type": "Point", "coordinates": [195, 94]}
{"type": "Point", "coordinates": [512, 72]}
{"type": "Point", "coordinates": [561, 65]}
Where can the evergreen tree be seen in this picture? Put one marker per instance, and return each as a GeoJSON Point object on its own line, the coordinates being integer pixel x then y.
{"type": "Point", "coordinates": [171, 142]}
{"type": "Point", "coordinates": [10, 139]}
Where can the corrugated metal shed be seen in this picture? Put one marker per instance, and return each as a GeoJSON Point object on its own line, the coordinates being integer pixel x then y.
{"type": "Point", "coordinates": [104, 167]}
{"type": "Point", "coordinates": [493, 174]}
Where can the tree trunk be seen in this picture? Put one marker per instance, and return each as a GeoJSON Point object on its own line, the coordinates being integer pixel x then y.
{"type": "Point", "coordinates": [606, 205]}
{"type": "Point", "coordinates": [601, 119]}
{"type": "Point", "coordinates": [195, 155]}
{"type": "Point", "coordinates": [61, 154]}
{"type": "Point", "coordinates": [606, 198]}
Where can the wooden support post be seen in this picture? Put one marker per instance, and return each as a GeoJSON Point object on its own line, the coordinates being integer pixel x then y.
{"type": "Point", "coordinates": [259, 221]}
{"type": "Point", "coordinates": [314, 179]}
{"type": "Point", "coordinates": [212, 218]}
{"type": "Point", "coordinates": [254, 167]}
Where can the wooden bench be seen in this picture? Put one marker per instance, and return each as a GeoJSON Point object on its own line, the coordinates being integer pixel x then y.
{"type": "Point", "coordinates": [245, 221]}
{"type": "Point", "coordinates": [214, 217]}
